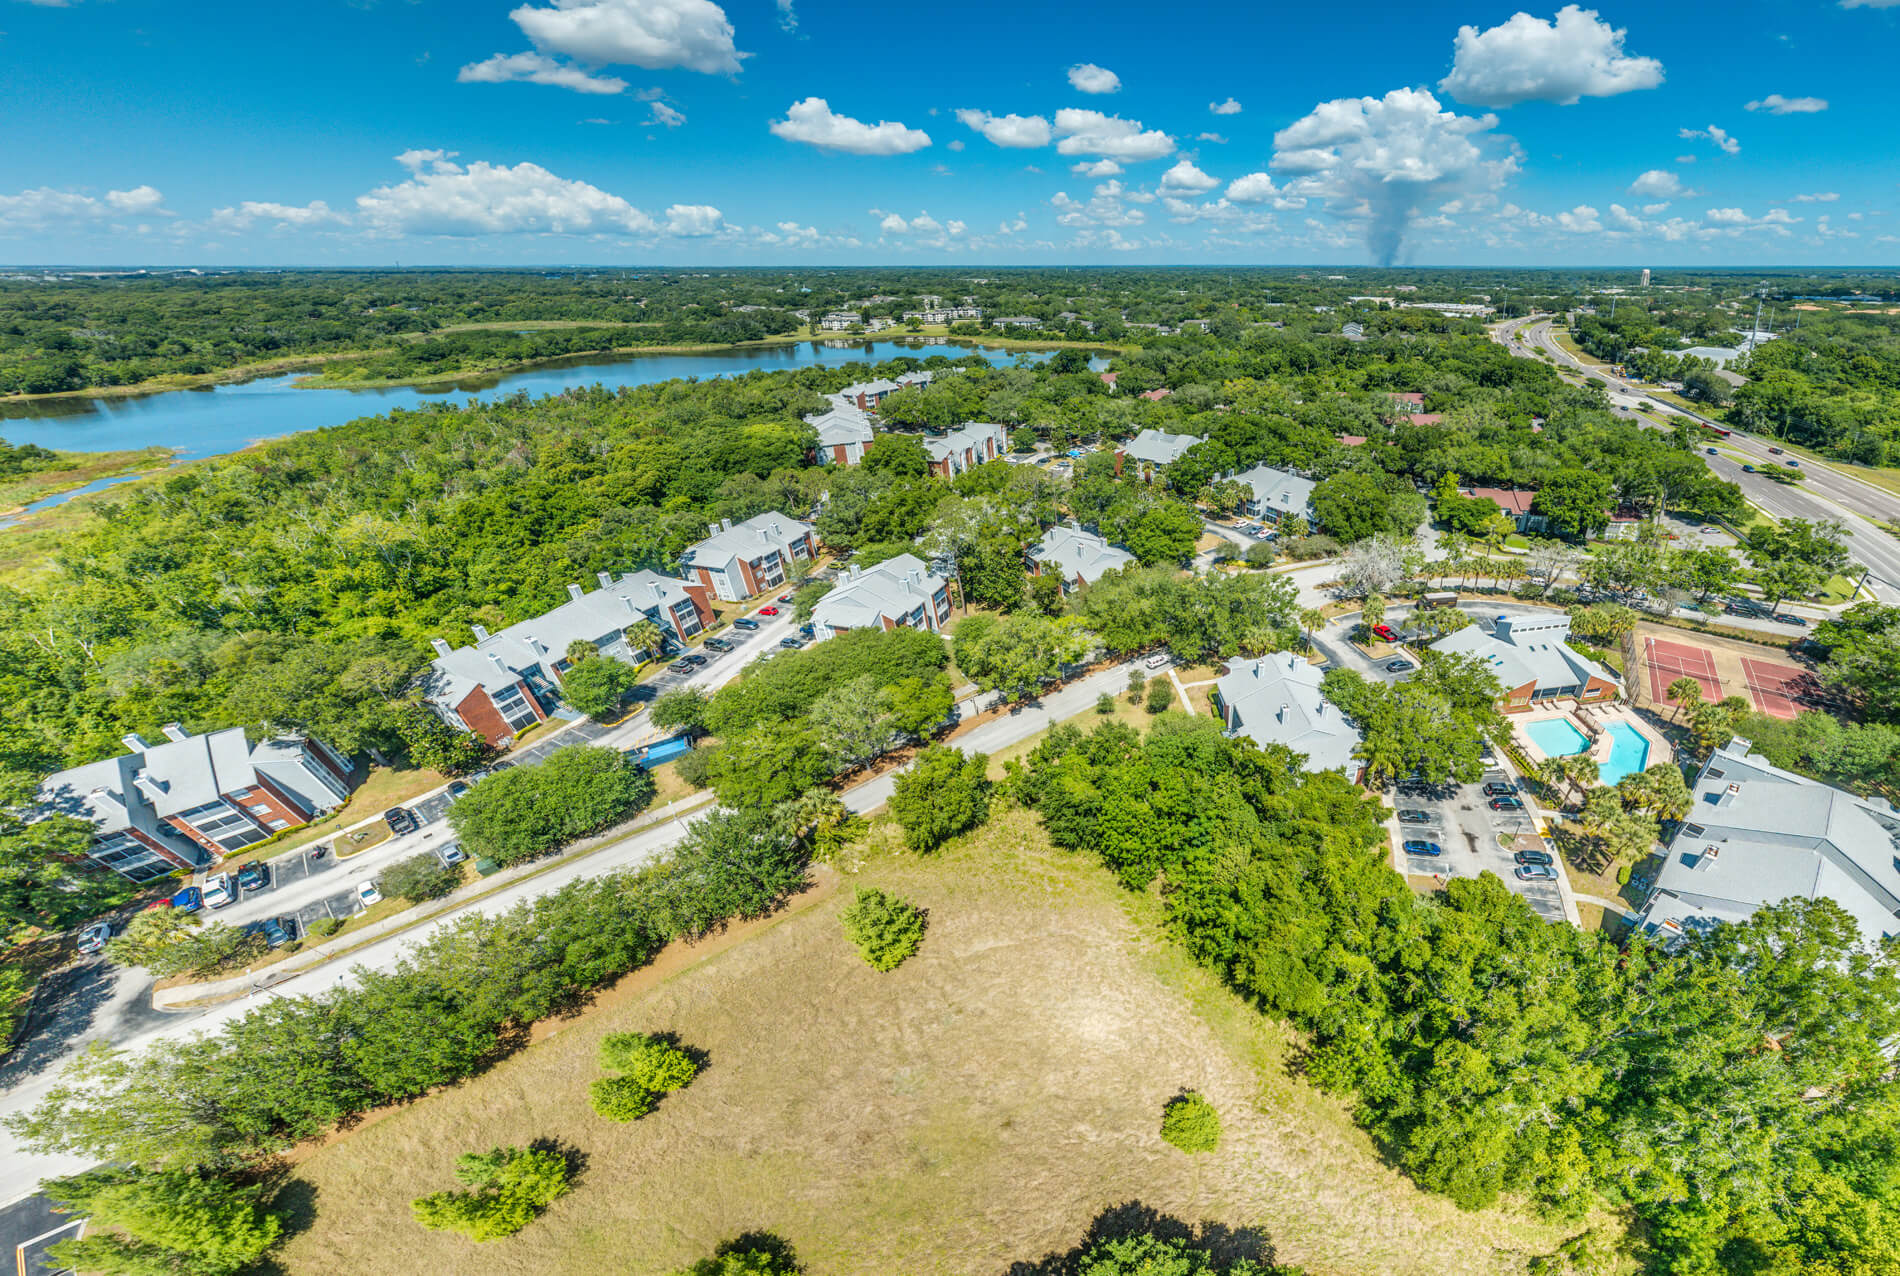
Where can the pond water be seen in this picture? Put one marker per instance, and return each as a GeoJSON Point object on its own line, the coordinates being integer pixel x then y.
{"type": "Point", "coordinates": [225, 418]}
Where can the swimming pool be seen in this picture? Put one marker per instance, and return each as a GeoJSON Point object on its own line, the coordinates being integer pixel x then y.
{"type": "Point", "coordinates": [1559, 737]}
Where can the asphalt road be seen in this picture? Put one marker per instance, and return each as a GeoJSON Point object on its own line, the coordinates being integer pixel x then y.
{"type": "Point", "coordinates": [1825, 493]}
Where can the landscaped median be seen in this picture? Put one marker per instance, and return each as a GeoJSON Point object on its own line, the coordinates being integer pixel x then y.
{"type": "Point", "coordinates": [211, 992]}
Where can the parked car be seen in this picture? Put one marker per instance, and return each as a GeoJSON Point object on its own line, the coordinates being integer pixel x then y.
{"type": "Point", "coordinates": [93, 938]}
{"type": "Point", "coordinates": [785, 597]}
{"type": "Point", "coordinates": [451, 854]}
{"type": "Point", "coordinates": [1535, 857]}
{"type": "Point", "coordinates": [254, 876]}
{"type": "Point", "coordinates": [1157, 661]}
{"type": "Point", "coordinates": [1499, 789]}
{"type": "Point", "coordinates": [1748, 469]}
{"type": "Point", "coordinates": [277, 931]}
{"type": "Point", "coordinates": [680, 666]}
{"type": "Point", "coordinates": [189, 900]}
{"type": "Point", "coordinates": [1399, 666]}
{"type": "Point", "coordinates": [768, 611]}
{"type": "Point", "coordinates": [1424, 848]}
{"type": "Point", "coordinates": [402, 820]}
{"type": "Point", "coordinates": [807, 630]}
{"type": "Point", "coordinates": [1536, 873]}
{"type": "Point", "coordinates": [157, 903]}
{"type": "Point", "coordinates": [1506, 804]}
{"type": "Point", "coordinates": [718, 644]}
{"type": "Point", "coordinates": [791, 642]}
{"type": "Point", "coordinates": [457, 788]}
{"type": "Point", "coordinates": [746, 623]}
{"type": "Point", "coordinates": [1409, 816]}
{"type": "Point", "coordinates": [1789, 618]}
{"type": "Point", "coordinates": [1386, 632]}
{"type": "Point", "coordinates": [218, 890]}
{"type": "Point", "coordinates": [367, 894]}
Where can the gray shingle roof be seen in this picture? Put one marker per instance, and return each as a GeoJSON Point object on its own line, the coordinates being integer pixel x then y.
{"type": "Point", "coordinates": [1157, 447]}
{"type": "Point", "coordinates": [893, 588]}
{"type": "Point", "coordinates": [1276, 700]}
{"type": "Point", "coordinates": [748, 540]}
{"type": "Point", "coordinates": [1277, 489]}
{"type": "Point", "coordinates": [1525, 651]}
{"type": "Point", "coordinates": [1079, 553]}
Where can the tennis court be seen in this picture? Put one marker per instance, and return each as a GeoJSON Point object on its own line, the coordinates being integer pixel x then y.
{"type": "Point", "coordinates": [1669, 661]}
{"type": "Point", "coordinates": [1777, 689]}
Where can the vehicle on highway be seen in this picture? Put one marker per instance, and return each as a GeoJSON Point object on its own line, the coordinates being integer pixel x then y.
{"type": "Point", "coordinates": [1399, 666]}
{"type": "Point", "coordinates": [1536, 873]}
{"type": "Point", "coordinates": [1748, 469]}
{"type": "Point", "coordinates": [403, 820]}
{"type": "Point", "coordinates": [457, 788]}
{"type": "Point", "coordinates": [367, 894]}
{"type": "Point", "coordinates": [93, 938]}
{"type": "Point", "coordinates": [718, 644]}
{"type": "Point", "coordinates": [768, 611]}
{"type": "Point", "coordinates": [1386, 632]}
{"type": "Point", "coordinates": [218, 891]}
{"type": "Point", "coordinates": [785, 597]}
{"type": "Point", "coordinates": [1409, 816]}
{"type": "Point", "coordinates": [254, 876]}
{"type": "Point", "coordinates": [1506, 804]}
{"type": "Point", "coordinates": [1423, 848]}
{"type": "Point", "coordinates": [1711, 451]}
{"type": "Point", "coordinates": [1775, 450]}
{"type": "Point", "coordinates": [451, 854]}
{"type": "Point", "coordinates": [1789, 618]}
{"type": "Point", "coordinates": [1498, 788]}
{"type": "Point", "coordinates": [791, 642]}
{"type": "Point", "coordinates": [1794, 462]}
{"type": "Point", "coordinates": [189, 900]}
{"type": "Point", "coordinates": [746, 623]}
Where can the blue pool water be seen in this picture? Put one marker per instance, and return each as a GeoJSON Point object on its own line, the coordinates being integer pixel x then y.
{"type": "Point", "coordinates": [1559, 737]}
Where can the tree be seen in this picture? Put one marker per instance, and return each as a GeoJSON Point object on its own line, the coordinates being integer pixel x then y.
{"type": "Point", "coordinates": [1371, 614]}
{"type": "Point", "coordinates": [654, 1063]}
{"type": "Point", "coordinates": [47, 878]}
{"type": "Point", "coordinates": [809, 595]}
{"type": "Point", "coordinates": [1352, 506]}
{"type": "Point", "coordinates": [1137, 683]}
{"type": "Point", "coordinates": [1685, 694]}
{"type": "Point", "coordinates": [163, 1221]}
{"type": "Point", "coordinates": [1377, 563]}
{"type": "Point", "coordinates": [853, 722]}
{"type": "Point", "coordinates": [436, 746]}
{"type": "Point", "coordinates": [885, 929]}
{"type": "Point", "coordinates": [1864, 657]}
{"type": "Point", "coordinates": [754, 1254]}
{"type": "Point", "coordinates": [683, 708]}
{"type": "Point", "coordinates": [1022, 439]}
{"type": "Point", "coordinates": [1191, 1123]}
{"type": "Point", "coordinates": [507, 1189]}
{"type": "Point", "coordinates": [919, 706]}
{"type": "Point", "coordinates": [152, 939]}
{"type": "Point", "coordinates": [1150, 1254]}
{"type": "Point", "coordinates": [1045, 593]}
{"type": "Point", "coordinates": [419, 878]}
{"type": "Point", "coordinates": [942, 795]}
{"type": "Point", "coordinates": [527, 810]}
{"type": "Point", "coordinates": [1018, 653]}
{"type": "Point", "coordinates": [1707, 386]}
{"type": "Point", "coordinates": [598, 685]}
{"type": "Point", "coordinates": [766, 765]}
{"type": "Point", "coordinates": [1574, 502]}
{"type": "Point", "coordinates": [1165, 532]}
{"type": "Point", "coordinates": [1703, 571]}
{"type": "Point", "coordinates": [646, 637]}
{"type": "Point", "coordinates": [1160, 695]}
{"type": "Point", "coordinates": [1781, 577]}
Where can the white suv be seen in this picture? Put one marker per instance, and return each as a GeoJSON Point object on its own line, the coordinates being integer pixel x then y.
{"type": "Point", "coordinates": [218, 891]}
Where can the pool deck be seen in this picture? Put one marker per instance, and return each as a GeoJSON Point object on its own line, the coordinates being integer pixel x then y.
{"type": "Point", "coordinates": [1594, 721]}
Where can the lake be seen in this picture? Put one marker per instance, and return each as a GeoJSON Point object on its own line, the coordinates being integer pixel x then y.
{"type": "Point", "coordinates": [225, 418]}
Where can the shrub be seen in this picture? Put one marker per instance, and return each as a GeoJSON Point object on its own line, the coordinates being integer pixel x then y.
{"type": "Point", "coordinates": [508, 1187]}
{"type": "Point", "coordinates": [1105, 704]}
{"type": "Point", "coordinates": [755, 1254]}
{"type": "Point", "coordinates": [1137, 683]}
{"type": "Point", "coordinates": [620, 1098]}
{"type": "Point", "coordinates": [1261, 554]}
{"type": "Point", "coordinates": [695, 768]}
{"type": "Point", "coordinates": [1191, 1124]}
{"type": "Point", "coordinates": [885, 929]}
{"type": "Point", "coordinates": [943, 795]}
{"type": "Point", "coordinates": [1306, 548]}
{"type": "Point", "coordinates": [332, 926]}
{"type": "Point", "coordinates": [1160, 695]}
{"type": "Point", "coordinates": [653, 1062]}
{"type": "Point", "coordinates": [418, 878]}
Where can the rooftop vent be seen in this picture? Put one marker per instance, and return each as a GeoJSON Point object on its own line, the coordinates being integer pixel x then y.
{"type": "Point", "coordinates": [1708, 857]}
{"type": "Point", "coordinates": [576, 593]}
{"type": "Point", "coordinates": [440, 645]}
{"type": "Point", "coordinates": [605, 578]}
{"type": "Point", "coordinates": [481, 632]}
{"type": "Point", "coordinates": [134, 741]}
{"type": "Point", "coordinates": [175, 733]}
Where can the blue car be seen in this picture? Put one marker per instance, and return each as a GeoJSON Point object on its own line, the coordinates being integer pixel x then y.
{"type": "Point", "coordinates": [1424, 848]}
{"type": "Point", "coordinates": [189, 900]}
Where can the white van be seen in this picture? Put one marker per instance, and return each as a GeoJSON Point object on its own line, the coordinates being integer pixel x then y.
{"type": "Point", "coordinates": [218, 891]}
{"type": "Point", "coordinates": [1157, 661]}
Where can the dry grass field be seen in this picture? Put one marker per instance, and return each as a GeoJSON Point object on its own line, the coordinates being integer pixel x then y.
{"type": "Point", "coordinates": [974, 1109]}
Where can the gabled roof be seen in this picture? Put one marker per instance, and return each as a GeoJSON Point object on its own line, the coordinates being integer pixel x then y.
{"type": "Point", "coordinates": [1513, 501]}
{"type": "Point", "coordinates": [846, 422]}
{"type": "Point", "coordinates": [195, 770]}
{"type": "Point", "coordinates": [964, 436]}
{"type": "Point", "coordinates": [1079, 554]}
{"type": "Point", "coordinates": [893, 588]}
{"type": "Point", "coordinates": [1537, 655]}
{"type": "Point", "coordinates": [747, 540]}
{"type": "Point", "coordinates": [1277, 489]}
{"type": "Point", "coordinates": [1157, 447]}
{"type": "Point", "coordinates": [1276, 700]}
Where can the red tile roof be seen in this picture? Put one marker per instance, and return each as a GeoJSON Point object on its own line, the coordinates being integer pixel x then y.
{"type": "Point", "coordinates": [1108, 378]}
{"type": "Point", "coordinates": [1411, 396]}
{"type": "Point", "coordinates": [1155, 396]}
{"type": "Point", "coordinates": [1351, 440]}
{"type": "Point", "coordinates": [1427, 418]}
{"type": "Point", "coordinates": [1515, 501]}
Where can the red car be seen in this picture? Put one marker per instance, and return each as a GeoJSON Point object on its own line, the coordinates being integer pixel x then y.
{"type": "Point", "coordinates": [768, 611]}
{"type": "Point", "coordinates": [785, 598]}
{"type": "Point", "coordinates": [1385, 632]}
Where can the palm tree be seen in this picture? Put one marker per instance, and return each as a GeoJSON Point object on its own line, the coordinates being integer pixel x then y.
{"type": "Point", "coordinates": [579, 650]}
{"type": "Point", "coordinates": [1311, 618]}
{"type": "Point", "coordinates": [647, 636]}
{"type": "Point", "coordinates": [1581, 770]}
{"type": "Point", "coordinates": [1684, 693]}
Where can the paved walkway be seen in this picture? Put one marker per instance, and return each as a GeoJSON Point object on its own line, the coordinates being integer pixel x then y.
{"type": "Point", "coordinates": [1616, 906]}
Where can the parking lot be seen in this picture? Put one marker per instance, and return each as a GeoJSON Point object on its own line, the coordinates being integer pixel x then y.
{"type": "Point", "coordinates": [1475, 839]}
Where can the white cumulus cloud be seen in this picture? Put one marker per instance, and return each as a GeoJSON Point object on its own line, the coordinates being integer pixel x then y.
{"type": "Point", "coordinates": [537, 68]}
{"type": "Point", "coordinates": [1022, 131]}
{"type": "Point", "coordinates": [693, 219]}
{"type": "Point", "coordinates": [666, 116]}
{"type": "Point", "coordinates": [1775, 104]}
{"type": "Point", "coordinates": [1184, 176]}
{"type": "Point", "coordinates": [1818, 197]}
{"type": "Point", "coordinates": [1229, 107]}
{"type": "Point", "coordinates": [1377, 160]}
{"type": "Point", "coordinates": [693, 35]}
{"type": "Point", "coordinates": [1110, 136]}
{"type": "Point", "coordinates": [1527, 59]}
{"type": "Point", "coordinates": [1096, 168]}
{"type": "Point", "coordinates": [45, 207]}
{"type": "Point", "coordinates": [441, 197]}
{"type": "Point", "coordinates": [1086, 77]}
{"type": "Point", "coordinates": [247, 214]}
{"type": "Point", "coordinates": [1723, 141]}
{"type": "Point", "coordinates": [1659, 183]}
{"type": "Point", "coordinates": [813, 122]}
{"type": "Point", "coordinates": [1254, 188]}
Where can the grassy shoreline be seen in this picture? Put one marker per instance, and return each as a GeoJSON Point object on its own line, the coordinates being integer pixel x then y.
{"type": "Point", "coordinates": [81, 468]}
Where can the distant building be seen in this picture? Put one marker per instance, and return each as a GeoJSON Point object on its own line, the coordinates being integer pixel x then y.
{"type": "Point", "coordinates": [1533, 662]}
{"type": "Point", "coordinates": [1276, 700]}
{"type": "Point", "coordinates": [741, 561]}
{"type": "Point", "coordinates": [1155, 449]}
{"type": "Point", "coordinates": [867, 395]}
{"type": "Point", "coordinates": [511, 679]}
{"type": "Point", "coordinates": [1756, 834]}
{"type": "Point", "coordinates": [1645, 276]}
{"type": "Point", "coordinates": [1354, 331]}
{"type": "Point", "coordinates": [839, 321]}
{"type": "Point", "coordinates": [1276, 494]}
{"type": "Point", "coordinates": [1078, 557]}
{"type": "Point", "coordinates": [844, 433]}
{"type": "Point", "coordinates": [945, 315]}
{"type": "Point", "coordinates": [191, 801]}
{"type": "Point", "coordinates": [965, 448]}
{"type": "Point", "coordinates": [898, 593]}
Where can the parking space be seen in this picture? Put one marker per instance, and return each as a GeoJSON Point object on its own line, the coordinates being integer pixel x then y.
{"type": "Point", "coordinates": [1473, 839]}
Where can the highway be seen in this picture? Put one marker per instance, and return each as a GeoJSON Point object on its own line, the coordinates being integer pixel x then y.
{"type": "Point", "coordinates": [1825, 493]}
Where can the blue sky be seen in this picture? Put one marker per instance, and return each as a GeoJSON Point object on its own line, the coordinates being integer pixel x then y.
{"type": "Point", "coordinates": [368, 132]}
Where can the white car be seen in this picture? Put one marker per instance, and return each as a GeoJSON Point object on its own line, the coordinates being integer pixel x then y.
{"type": "Point", "coordinates": [1157, 661]}
{"type": "Point", "coordinates": [218, 891]}
{"type": "Point", "coordinates": [367, 894]}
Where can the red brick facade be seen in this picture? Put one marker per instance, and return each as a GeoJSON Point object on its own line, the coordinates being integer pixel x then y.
{"type": "Point", "coordinates": [479, 714]}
